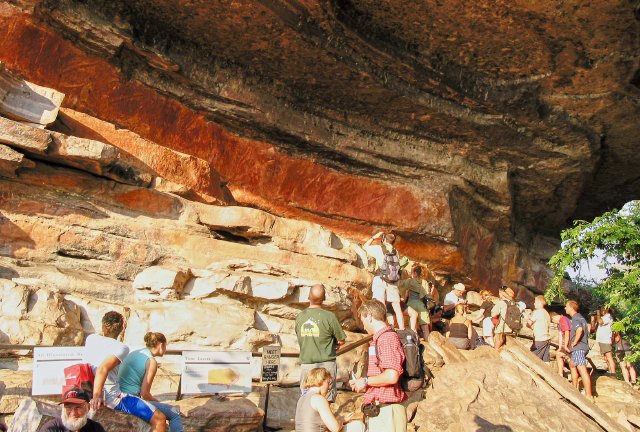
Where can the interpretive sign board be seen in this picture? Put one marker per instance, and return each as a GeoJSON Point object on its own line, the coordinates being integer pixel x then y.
{"type": "Point", "coordinates": [48, 368]}
{"type": "Point", "coordinates": [270, 364]}
{"type": "Point", "coordinates": [207, 372]}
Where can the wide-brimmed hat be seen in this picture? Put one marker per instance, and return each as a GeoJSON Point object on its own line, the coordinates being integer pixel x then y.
{"type": "Point", "coordinates": [459, 287]}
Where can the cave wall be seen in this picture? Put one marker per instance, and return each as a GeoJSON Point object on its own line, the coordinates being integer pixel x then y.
{"type": "Point", "coordinates": [475, 132]}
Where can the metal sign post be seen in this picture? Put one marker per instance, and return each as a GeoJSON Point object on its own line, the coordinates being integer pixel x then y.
{"type": "Point", "coordinates": [270, 364]}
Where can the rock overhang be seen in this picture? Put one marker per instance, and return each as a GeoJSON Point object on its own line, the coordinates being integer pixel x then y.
{"type": "Point", "coordinates": [519, 116]}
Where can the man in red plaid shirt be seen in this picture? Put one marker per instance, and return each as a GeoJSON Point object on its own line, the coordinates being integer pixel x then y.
{"type": "Point", "coordinates": [382, 383]}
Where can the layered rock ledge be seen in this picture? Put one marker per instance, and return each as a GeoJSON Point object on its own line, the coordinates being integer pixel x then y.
{"type": "Point", "coordinates": [474, 131]}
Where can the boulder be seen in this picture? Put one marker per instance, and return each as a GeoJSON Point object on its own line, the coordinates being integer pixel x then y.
{"type": "Point", "coordinates": [294, 235]}
{"type": "Point", "coordinates": [38, 316]}
{"type": "Point", "coordinates": [191, 324]}
{"type": "Point", "coordinates": [281, 411]}
{"type": "Point", "coordinates": [158, 283]}
{"type": "Point", "coordinates": [449, 353]}
{"type": "Point", "coordinates": [24, 137]}
{"type": "Point", "coordinates": [617, 398]}
{"type": "Point", "coordinates": [15, 387]}
{"type": "Point", "coordinates": [27, 102]}
{"type": "Point", "coordinates": [92, 156]}
{"type": "Point", "coordinates": [98, 158]}
{"type": "Point", "coordinates": [487, 394]}
{"type": "Point", "coordinates": [260, 287]}
{"type": "Point", "coordinates": [213, 415]}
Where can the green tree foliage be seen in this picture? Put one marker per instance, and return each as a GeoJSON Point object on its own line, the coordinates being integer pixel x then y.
{"type": "Point", "coordinates": [616, 237]}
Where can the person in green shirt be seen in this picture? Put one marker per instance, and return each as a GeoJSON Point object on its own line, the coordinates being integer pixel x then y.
{"type": "Point", "coordinates": [319, 335]}
{"type": "Point", "coordinates": [416, 292]}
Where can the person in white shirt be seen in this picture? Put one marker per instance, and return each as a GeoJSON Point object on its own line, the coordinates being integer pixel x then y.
{"type": "Point", "coordinates": [540, 322]}
{"type": "Point", "coordinates": [383, 290]}
{"type": "Point", "coordinates": [603, 337]}
{"type": "Point", "coordinates": [453, 299]}
{"type": "Point", "coordinates": [105, 353]}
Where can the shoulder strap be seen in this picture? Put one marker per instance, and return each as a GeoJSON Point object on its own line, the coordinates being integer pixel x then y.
{"type": "Point", "coordinates": [389, 329]}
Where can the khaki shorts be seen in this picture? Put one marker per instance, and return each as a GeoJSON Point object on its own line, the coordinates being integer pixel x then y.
{"type": "Point", "coordinates": [384, 291]}
{"type": "Point", "coordinates": [392, 418]}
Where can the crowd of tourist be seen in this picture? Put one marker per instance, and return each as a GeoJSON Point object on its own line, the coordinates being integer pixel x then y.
{"type": "Point", "coordinates": [399, 295]}
{"type": "Point", "coordinates": [122, 379]}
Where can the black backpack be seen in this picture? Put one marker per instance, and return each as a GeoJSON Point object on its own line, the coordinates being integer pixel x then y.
{"type": "Point", "coordinates": [390, 269]}
{"type": "Point", "coordinates": [513, 316]}
{"type": "Point", "coordinates": [416, 374]}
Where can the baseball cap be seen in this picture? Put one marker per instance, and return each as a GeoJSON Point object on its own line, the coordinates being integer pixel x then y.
{"type": "Point", "coordinates": [75, 395]}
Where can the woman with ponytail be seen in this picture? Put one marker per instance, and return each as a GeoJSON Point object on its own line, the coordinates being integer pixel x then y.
{"type": "Point", "coordinates": [137, 372]}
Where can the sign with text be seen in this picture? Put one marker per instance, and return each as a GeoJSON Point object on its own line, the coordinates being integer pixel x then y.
{"type": "Point", "coordinates": [207, 372]}
{"type": "Point", "coordinates": [48, 368]}
{"type": "Point", "coordinates": [270, 364]}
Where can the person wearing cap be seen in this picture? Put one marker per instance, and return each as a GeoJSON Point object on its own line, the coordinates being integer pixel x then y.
{"type": "Point", "coordinates": [74, 415]}
{"type": "Point", "coordinates": [454, 298]}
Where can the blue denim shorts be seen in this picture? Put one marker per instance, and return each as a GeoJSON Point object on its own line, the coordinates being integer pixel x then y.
{"type": "Point", "coordinates": [135, 406]}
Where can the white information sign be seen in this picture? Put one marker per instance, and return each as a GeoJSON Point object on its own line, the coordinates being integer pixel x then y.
{"type": "Point", "coordinates": [48, 368]}
{"type": "Point", "coordinates": [207, 372]}
{"type": "Point", "coordinates": [270, 364]}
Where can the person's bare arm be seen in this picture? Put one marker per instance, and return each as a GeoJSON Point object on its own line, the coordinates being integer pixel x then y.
{"type": "Point", "coordinates": [147, 380]}
{"type": "Point", "coordinates": [101, 376]}
{"type": "Point", "coordinates": [469, 330]}
{"type": "Point", "coordinates": [577, 337]}
{"type": "Point", "coordinates": [368, 242]}
{"type": "Point", "coordinates": [386, 378]}
{"type": "Point", "coordinates": [321, 405]}
{"type": "Point", "coordinates": [530, 322]}
{"type": "Point", "coordinates": [449, 307]}
{"type": "Point", "coordinates": [565, 340]}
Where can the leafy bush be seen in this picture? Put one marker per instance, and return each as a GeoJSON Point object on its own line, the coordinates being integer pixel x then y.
{"type": "Point", "coordinates": [616, 237]}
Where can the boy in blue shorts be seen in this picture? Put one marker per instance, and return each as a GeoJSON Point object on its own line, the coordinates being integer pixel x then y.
{"type": "Point", "coordinates": [105, 353]}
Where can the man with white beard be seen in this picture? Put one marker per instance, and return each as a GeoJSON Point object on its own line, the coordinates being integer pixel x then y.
{"type": "Point", "coordinates": [74, 416]}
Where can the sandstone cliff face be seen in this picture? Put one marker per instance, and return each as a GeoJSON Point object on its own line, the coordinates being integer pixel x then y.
{"type": "Point", "coordinates": [474, 131]}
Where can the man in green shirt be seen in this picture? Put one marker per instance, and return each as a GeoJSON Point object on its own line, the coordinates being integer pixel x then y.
{"type": "Point", "coordinates": [319, 334]}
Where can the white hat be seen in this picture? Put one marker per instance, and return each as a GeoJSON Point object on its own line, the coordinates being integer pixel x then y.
{"type": "Point", "coordinates": [459, 286]}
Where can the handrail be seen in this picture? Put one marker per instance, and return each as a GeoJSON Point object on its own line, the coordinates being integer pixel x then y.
{"type": "Point", "coordinates": [344, 349]}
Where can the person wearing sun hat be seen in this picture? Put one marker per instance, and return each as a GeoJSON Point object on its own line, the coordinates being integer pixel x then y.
{"type": "Point", "coordinates": [453, 299]}
{"type": "Point", "coordinates": [74, 415]}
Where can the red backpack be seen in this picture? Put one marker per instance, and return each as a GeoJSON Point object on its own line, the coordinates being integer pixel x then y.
{"type": "Point", "coordinates": [79, 375]}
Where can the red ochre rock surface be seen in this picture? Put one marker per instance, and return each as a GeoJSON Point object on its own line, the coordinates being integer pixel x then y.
{"type": "Point", "coordinates": [476, 148]}
{"type": "Point", "coordinates": [95, 87]}
{"type": "Point", "coordinates": [258, 174]}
